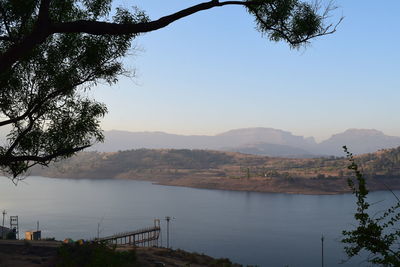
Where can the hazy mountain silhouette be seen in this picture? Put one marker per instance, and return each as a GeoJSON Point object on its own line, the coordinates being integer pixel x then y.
{"type": "Point", "coordinates": [270, 141]}
{"type": "Point", "coordinates": [259, 141]}
{"type": "Point", "coordinates": [358, 141]}
{"type": "Point", "coordinates": [267, 141]}
{"type": "Point", "coordinates": [266, 135]}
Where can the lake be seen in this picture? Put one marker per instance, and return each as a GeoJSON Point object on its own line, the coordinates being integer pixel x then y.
{"type": "Point", "coordinates": [249, 228]}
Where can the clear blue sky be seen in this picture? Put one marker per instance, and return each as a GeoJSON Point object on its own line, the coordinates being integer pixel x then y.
{"type": "Point", "coordinates": [213, 71]}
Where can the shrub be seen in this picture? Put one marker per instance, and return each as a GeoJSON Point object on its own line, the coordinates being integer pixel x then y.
{"type": "Point", "coordinates": [11, 235]}
{"type": "Point", "coordinates": [94, 254]}
{"type": "Point", "coordinates": [379, 236]}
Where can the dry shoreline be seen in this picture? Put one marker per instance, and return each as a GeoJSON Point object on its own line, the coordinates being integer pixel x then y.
{"type": "Point", "coordinates": [296, 186]}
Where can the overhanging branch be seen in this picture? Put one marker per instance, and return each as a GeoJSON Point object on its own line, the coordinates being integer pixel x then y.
{"type": "Point", "coordinates": [101, 28]}
{"type": "Point", "coordinates": [40, 159]}
{"type": "Point", "coordinates": [44, 28]}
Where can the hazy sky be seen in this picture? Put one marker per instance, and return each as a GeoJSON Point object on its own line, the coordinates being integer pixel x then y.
{"type": "Point", "coordinates": [213, 71]}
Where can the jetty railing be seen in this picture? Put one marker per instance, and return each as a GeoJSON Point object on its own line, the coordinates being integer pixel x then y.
{"type": "Point", "coordinates": [145, 237]}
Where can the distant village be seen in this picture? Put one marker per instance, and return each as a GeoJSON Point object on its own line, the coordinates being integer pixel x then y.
{"type": "Point", "coordinates": [12, 232]}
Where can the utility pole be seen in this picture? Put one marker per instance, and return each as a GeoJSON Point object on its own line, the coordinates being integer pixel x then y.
{"type": "Point", "coordinates": [322, 250]}
{"type": "Point", "coordinates": [98, 227]}
{"type": "Point", "coordinates": [161, 234]}
{"type": "Point", "coordinates": [2, 229]}
{"type": "Point", "coordinates": [158, 225]}
{"type": "Point", "coordinates": [167, 218]}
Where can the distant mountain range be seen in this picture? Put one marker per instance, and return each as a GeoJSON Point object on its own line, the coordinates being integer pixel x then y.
{"type": "Point", "coordinates": [258, 141]}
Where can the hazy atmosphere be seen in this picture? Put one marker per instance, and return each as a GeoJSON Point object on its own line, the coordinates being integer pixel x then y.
{"type": "Point", "coordinates": [213, 72]}
{"type": "Point", "coordinates": [207, 133]}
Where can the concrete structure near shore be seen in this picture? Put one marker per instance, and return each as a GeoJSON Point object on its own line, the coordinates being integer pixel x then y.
{"type": "Point", "coordinates": [33, 235]}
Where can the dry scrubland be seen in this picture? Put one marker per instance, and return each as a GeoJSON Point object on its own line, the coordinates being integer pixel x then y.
{"type": "Point", "coordinates": [37, 253]}
{"type": "Point", "coordinates": [231, 171]}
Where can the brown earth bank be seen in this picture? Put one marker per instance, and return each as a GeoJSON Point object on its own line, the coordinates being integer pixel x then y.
{"type": "Point", "coordinates": [301, 186]}
{"type": "Point", "coordinates": [36, 253]}
{"type": "Point", "coordinates": [231, 171]}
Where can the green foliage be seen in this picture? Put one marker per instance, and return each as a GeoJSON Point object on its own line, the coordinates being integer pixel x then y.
{"type": "Point", "coordinates": [377, 235]}
{"type": "Point", "coordinates": [292, 21]}
{"type": "Point", "coordinates": [42, 97]}
{"type": "Point", "coordinates": [94, 254]}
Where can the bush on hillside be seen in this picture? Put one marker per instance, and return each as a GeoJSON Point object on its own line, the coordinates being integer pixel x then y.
{"type": "Point", "coordinates": [94, 254]}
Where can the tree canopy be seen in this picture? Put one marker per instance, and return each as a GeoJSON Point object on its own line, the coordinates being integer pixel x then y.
{"type": "Point", "coordinates": [53, 51]}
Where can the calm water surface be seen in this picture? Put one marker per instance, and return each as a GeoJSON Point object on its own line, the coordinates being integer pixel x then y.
{"type": "Point", "coordinates": [249, 228]}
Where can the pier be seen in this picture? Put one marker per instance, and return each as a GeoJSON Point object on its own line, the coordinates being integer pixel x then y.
{"type": "Point", "coordinates": [145, 237]}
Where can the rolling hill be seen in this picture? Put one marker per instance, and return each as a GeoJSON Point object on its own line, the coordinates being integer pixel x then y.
{"type": "Point", "coordinates": [229, 170]}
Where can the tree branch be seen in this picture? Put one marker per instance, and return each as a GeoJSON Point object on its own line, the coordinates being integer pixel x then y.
{"type": "Point", "coordinates": [20, 137]}
{"type": "Point", "coordinates": [41, 159]}
{"type": "Point", "coordinates": [19, 50]}
{"type": "Point", "coordinates": [34, 108]}
{"type": "Point", "coordinates": [100, 28]}
{"type": "Point", "coordinates": [45, 28]}
{"type": "Point", "coordinates": [6, 38]}
{"type": "Point", "coordinates": [37, 104]}
{"type": "Point", "coordinates": [44, 15]}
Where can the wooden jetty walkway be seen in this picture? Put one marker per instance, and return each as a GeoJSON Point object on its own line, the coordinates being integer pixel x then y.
{"type": "Point", "coordinates": [146, 237]}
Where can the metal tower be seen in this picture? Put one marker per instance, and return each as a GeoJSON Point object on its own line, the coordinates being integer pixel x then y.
{"type": "Point", "coordinates": [14, 225]}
